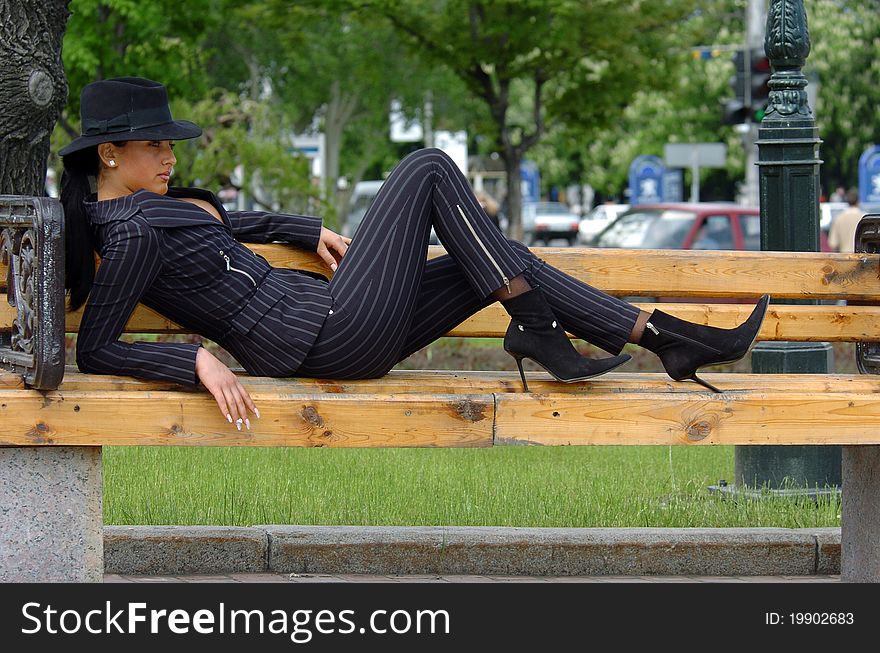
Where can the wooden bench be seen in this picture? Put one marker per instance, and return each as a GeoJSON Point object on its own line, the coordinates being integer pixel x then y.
{"type": "Point", "coordinates": [431, 408]}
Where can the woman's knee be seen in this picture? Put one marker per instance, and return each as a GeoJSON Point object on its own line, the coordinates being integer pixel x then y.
{"type": "Point", "coordinates": [520, 249]}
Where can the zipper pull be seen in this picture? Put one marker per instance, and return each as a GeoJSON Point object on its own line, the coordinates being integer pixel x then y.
{"type": "Point", "coordinates": [652, 328]}
{"type": "Point", "coordinates": [507, 283]}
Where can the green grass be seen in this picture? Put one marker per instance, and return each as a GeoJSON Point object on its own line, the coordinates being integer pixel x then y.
{"type": "Point", "coordinates": [598, 486]}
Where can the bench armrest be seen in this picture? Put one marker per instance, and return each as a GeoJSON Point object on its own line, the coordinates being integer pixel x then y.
{"type": "Point", "coordinates": [867, 239]}
{"type": "Point", "coordinates": [32, 247]}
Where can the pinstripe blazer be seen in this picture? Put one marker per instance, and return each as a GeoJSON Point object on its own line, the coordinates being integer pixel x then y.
{"type": "Point", "coordinates": [181, 261]}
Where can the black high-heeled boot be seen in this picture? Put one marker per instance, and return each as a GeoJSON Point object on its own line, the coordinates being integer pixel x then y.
{"type": "Point", "coordinates": [685, 347]}
{"type": "Point", "coordinates": [535, 333]}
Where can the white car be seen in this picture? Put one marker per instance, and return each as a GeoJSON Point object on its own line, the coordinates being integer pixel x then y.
{"type": "Point", "coordinates": [545, 221]}
{"type": "Point", "coordinates": [597, 219]}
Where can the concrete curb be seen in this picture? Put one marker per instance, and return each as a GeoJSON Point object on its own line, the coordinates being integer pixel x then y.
{"type": "Point", "coordinates": [399, 550]}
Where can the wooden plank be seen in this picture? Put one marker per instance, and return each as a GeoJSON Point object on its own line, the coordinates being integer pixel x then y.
{"type": "Point", "coordinates": [682, 273]}
{"type": "Point", "coordinates": [93, 418]}
{"type": "Point", "coordinates": [492, 382]}
{"type": "Point", "coordinates": [613, 417]}
{"type": "Point", "coordinates": [746, 417]}
{"type": "Point", "coordinates": [795, 323]}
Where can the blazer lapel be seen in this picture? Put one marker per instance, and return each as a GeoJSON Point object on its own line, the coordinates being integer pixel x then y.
{"type": "Point", "coordinates": [168, 211]}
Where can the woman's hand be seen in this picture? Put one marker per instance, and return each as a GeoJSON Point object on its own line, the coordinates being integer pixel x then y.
{"type": "Point", "coordinates": [332, 247]}
{"type": "Point", "coordinates": [230, 395]}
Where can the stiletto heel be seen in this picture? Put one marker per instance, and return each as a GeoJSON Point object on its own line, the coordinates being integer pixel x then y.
{"type": "Point", "coordinates": [705, 384]}
{"type": "Point", "coordinates": [534, 333]}
{"type": "Point", "coordinates": [522, 374]}
{"type": "Point", "coordinates": [685, 347]}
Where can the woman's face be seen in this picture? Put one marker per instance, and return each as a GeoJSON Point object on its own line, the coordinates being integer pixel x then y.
{"type": "Point", "coordinates": [139, 165]}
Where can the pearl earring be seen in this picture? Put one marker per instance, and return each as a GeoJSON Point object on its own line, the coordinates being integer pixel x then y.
{"type": "Point", "coordinates": [112, 163]}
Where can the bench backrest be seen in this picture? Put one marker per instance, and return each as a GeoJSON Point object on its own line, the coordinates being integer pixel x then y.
{"type": "Point", "coordinates": [697, 280]}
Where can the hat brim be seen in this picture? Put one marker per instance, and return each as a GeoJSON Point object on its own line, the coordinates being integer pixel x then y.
{"type": "Point", "coordinates": [179, 130]}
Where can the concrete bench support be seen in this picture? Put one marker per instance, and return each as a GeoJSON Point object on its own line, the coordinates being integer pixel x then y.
{"type": "Point", "coordinates": [860, 515]}
{"type": "Point", "coordinates": [51, 521]}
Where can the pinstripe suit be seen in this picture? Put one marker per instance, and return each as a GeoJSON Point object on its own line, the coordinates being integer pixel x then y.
{"type": "Point", "coordinates": [384, 302]}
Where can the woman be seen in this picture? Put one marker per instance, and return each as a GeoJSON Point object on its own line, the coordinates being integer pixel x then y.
{"type": "Point", "coordinates": [179, 252]}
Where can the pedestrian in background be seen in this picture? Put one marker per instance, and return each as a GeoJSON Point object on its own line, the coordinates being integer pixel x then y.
{"type": "Point", "coordinates": [841, 237]}
{"type": "Point", "coordinates": [490, 206]}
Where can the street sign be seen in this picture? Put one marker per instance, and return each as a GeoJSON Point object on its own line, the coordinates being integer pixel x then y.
{"type": "Point", "coordinates": [673, 186]}
{"type": "Point", "coordinates": [685, 155]}
{"type": "Point", "coordinates": [695, 156]}
{"type": "Point", "coordinates": [869, 177]}
{"type": "Point", "coordinates": [646, 180]}
{"type": "Point", "coordinates": [530, 181]}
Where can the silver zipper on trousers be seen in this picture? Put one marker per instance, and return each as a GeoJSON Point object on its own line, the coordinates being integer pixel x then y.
{"type": "Point", "coordinates": [229, 268]}
{"type": "Point", "coordinates": [480, 243]}
{"type": "Point", "coordinates": [652, 328]}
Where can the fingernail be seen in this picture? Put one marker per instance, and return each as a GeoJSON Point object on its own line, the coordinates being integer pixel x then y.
{"type": "Point", "coordinates": [229, 417]}
{"type": "Point", "coordinates": [238, 423]}
{"type": "Point", "coordinates": [257, 412]}
{"type": "Point", "coordinates": [333, 266]}
{"type": "Point", "coordinates": [247, 423]}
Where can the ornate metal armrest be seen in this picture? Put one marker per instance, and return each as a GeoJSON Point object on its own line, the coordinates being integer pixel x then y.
{"type": "Point", "coordinates": [32, 247]}
{"type": "Point", "coordinates": [868, 240]}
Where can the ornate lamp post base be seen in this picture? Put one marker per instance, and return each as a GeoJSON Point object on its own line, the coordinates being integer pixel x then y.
{"type": "Point", "coordinates": [788, 161]}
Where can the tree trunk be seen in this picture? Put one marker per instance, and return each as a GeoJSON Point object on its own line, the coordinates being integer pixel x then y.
{"type": "Point", "coordinates": [514, 195]}
{"type": "Point", "coordinates": [33, 90]}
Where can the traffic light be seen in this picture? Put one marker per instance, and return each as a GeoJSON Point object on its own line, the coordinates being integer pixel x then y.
{"type": "Point", "coordinates": [759, 78]}
{"type": "Point", "coordinates": [735, 111]}
{"type": "Point", "coordinates": [750, 87]}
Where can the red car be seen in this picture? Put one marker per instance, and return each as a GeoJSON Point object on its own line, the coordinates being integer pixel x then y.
{"type": "Point", "coordinates": [686, 226]}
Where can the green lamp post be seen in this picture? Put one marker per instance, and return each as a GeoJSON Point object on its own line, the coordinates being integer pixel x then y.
{"type": "Point", "coordinates": [788, 160]}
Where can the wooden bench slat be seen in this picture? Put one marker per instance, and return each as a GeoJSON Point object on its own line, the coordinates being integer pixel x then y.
{"type": "Point", "coordinates": [756, 417]}
{"type": "Point", "coordinates": [681, 273]}
{"type": "Point", "coordinates": [783, 322]}
{"type": "Point", "coordinates": [92, 418]}
{"type": "Point", "coordinates": [794, 409]}
{"type": "Point", "coordinates": [490, 382]}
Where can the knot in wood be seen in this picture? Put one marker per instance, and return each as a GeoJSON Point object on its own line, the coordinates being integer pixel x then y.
{"type": "Point", "coordinates": [40, 87]}
{"type": "Point", "coordinates": [698, 430]}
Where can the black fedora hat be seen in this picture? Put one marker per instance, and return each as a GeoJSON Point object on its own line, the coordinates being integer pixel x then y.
{"type": "Point", "coordinates": [127, 109]}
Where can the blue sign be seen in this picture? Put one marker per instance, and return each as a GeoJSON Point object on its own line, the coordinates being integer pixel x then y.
{"type": "Point", "coordinates": [869, 176]}
{"type": "Point", "coordinates": [530, 181]}
{"type": "Point", "coordinates": [673, 186]}
{"type": "Point", "coordinates": [646, 179]}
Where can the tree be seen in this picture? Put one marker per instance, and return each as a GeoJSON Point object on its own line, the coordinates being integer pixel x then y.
{"type": "Point", "coordinates": [33, 90]}
{"type": "Point", "coordinates": [160, 40]}
{"type": "Point", "coordinates": [336, 71]}
{"type": "Point", "coordinates": [844, 36]}
{"type": "Point", "coordinates": [533, 62]}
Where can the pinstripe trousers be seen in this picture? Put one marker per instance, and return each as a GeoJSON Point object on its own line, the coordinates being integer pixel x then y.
{"type": "Point", "coordinates": [389, 301]}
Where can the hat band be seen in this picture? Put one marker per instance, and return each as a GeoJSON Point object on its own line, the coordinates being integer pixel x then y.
{"type": "Point", "coordinates": [127, 122]}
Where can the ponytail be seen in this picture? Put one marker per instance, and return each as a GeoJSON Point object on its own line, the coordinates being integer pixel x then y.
{"type": "Point", "coordinates": [79, 262]}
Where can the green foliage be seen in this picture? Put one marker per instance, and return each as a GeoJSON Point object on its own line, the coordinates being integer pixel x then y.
{"type": "Point", "coordinates": [241, 131]}
{"type": "Point", "coordinates": [845, 37]}
{"type": "Point", "coordinates": [160, 40]}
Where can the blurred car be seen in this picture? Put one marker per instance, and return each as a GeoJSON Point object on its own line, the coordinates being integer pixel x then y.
{"type": "Point", "coordinates": [688, 226]}
{"type": "Point", "coordinates": [597, 219]}
{"type": "Point", "coordinates": [544, 221]}
{"type": "Point", "coordinates": [361, 199]}
{"type": "Point", "coordinates": [684, 226]}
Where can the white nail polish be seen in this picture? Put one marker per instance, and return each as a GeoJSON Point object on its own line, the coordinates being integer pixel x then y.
{"type": "Point", "coordinates": [333, 266]}
{"type": "Point", "coordinates": [238, 425]}
{"type": "Point", "coordinates": [247, 423]}
{"type": "Point", "coordinates": [257, 413]}
{"type": "Point", "coordinates": [229, 417]}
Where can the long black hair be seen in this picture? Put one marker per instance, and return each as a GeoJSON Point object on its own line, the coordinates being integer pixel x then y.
{"type": "Point", "coordinates": [80, 169]}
